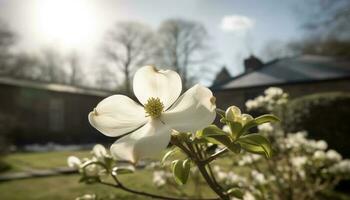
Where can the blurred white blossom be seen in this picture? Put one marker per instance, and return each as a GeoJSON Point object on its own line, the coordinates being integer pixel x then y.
{"type": "Point", "coordinates": [342, 167]}
{"type": "Point", "coordinates": [272, 98]}
{"type": "Point", "coordinates": [258, 177]}
{"type": "Point", "coordinates": [100, 152]}
{"type": "Point", "coordinates": [266, 127]}
{"type": "Point", "coordinates": [333, 155]}
{"type": "Point", "coordinates": [73, 162]}
{"type": "Point", "coordinates": [299, 161]}
{"type": "Point", "coordinates": [87, 197]}
{"type": "Point", "coordinates": [160, 177]}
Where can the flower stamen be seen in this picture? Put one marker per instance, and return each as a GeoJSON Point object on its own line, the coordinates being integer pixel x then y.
{"type": "Point", "coordinates": [154, 107]}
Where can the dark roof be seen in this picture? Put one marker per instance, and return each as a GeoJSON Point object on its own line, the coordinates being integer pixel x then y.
{"type": "Point", "coordinates": [304, 68]}
{"type": "Point", "coordinates": [52, 87]}
{"type": "Point", "coordinates": [222, 76]}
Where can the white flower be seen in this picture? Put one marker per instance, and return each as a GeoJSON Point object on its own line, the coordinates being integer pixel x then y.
{"type": "Point", "coordinates": [302, 174]}
{"type": "Point", "coordinates": [342, 167]}
{"type": "Point", "coordinates": [319, 155]}
{"type": "Point", "coordinates": [216, 168]}
{"type": "Point", "coordinates": [266, 127]}
{"type": "Point", "coordinates": [248, 159]}
{"type": "Point", "coordinates": [273, 91]}
{"type": "Point", "coordinates": [221, 175]}
{"type": "Point", "coordinates": [92, 170]}
{"type": "Point", "coordinates": [333, 155]}
{"type": "Point", "coordinates": [100, 152]}
{"type": "Point", "coordinates": [321, 144]}
{"type": "Point", "coordinates": [233, 178]}
{"type": "Point", "coordinates": [163, 110]}
{"type": "Point", "coordinates": [86, 197]}
{"type": "Point", "coordinates": [160, 177]}
{"type": "Point", "coordinates": [251, 104]}
{"type": "Point", "coordinates": [248, 196]}
{"type": "Point", "coordinates": [259, 177]}
{"type": "Point", "coordinates": [73, 162]}
{"type": "Point", "coordinates": [299, 161]}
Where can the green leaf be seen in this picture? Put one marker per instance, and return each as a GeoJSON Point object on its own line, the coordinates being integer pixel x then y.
{"type": "Point", "coordinates": [234, 147]}
{"type": "Point", "coordinates": [235, 128]}
{"type": "Point", "coordinates": [235, 192]}
{"type": "Point", "coordinates": [215, 135]}
{"type": "Point", "coordinates": [122, 170]}
{"type": "Point", "coordinates": [181, 170]}
{"type": "Point", "coordinates": [256, 143]}
{"type": "Point", "coordinates": [168, 154]}
{"type": "Point", "coordinates": [258, 121]}
{"type": "Point", "coordinates": [266, 118]}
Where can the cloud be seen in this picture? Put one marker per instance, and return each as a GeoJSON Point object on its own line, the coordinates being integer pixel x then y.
{"type": "Point", "coordinates": [237, 23]}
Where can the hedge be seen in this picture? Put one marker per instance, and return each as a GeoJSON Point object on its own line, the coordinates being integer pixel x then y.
{"type": "Point", "coordinates": [324, 115]}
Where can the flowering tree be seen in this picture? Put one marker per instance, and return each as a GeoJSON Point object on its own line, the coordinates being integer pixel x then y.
{"type": "Point", "coordinates": [300, 168]}
{"type": "Point", "coordinates": [166, 117]}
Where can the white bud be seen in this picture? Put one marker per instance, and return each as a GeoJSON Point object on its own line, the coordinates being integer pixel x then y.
{"type": "Point", "coordinates": [73, 162]}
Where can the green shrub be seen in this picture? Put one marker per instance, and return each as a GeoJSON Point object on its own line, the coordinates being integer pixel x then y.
{"type": "Point", "coordinates": [325, 116]}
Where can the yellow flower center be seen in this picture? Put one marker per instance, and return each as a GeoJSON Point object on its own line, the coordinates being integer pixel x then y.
{"type": "Point", "coordinates": [154, 107]}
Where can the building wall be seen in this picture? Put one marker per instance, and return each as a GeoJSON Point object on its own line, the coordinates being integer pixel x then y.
{"type": "Point", "coordinates": [41, 116]}
{"type": "Point", "coordinates": [238, 97]}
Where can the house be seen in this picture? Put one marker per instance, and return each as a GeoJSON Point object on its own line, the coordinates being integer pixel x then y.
{"type": "Point", "coordinates": [299, 75]}
{"type": "Point", "coordinates": [36, 112]}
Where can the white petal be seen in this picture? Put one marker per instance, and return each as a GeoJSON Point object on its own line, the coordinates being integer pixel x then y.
{"type": "Point", "coordinates": [194, 110]}
{"type": "Point", "coordinates": [73, 162]}
{"type": "Point", "coordinates": [117, 115]}
{"type": "Point", "coordinates": [99, 151]}
{"type": "Point", "coordinates": [164, 84]}
{"type": "Point", "coordinates": [146, 142]}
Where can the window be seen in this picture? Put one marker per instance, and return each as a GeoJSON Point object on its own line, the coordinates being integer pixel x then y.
{"type": "Point", "coordinates": [56, 115]}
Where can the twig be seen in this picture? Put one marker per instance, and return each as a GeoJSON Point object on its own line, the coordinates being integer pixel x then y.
{"type": "Point", "coordinates": [201, 166]}
{"type": "Point", "coordinates": [154, 196]}
{"type": "Point", "coordinates": [214, 156]}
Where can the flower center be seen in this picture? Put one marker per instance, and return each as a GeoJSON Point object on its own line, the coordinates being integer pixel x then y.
{"type": "Point", "coordinates": [154, 107]}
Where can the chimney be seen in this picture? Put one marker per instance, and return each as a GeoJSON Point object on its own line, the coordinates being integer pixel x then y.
{"type": "Point", "coordinates": [252, 63]}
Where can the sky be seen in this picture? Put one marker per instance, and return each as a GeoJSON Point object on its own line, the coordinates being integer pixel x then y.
{"type": "Point", "coordinates": [237, 28]}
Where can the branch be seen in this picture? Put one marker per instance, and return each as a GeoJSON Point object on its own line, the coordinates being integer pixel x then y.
{"type": "Point", "coordinates": [201, 166]}
{"type": "Point", "coordinates": [214, 156]}
{"type": "Point", "coordinates": [119, 185]}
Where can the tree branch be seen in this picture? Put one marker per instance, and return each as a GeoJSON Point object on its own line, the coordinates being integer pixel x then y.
{"type": "Point", "coordinates": [214, 156]}
{"type": "Point", "coordinates": [119, 185]}
{"type": "Point", "coordinates": [201, 166]}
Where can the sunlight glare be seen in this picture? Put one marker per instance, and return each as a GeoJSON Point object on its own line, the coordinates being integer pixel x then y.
{"type": "Point", "coordinates": [71, 23]}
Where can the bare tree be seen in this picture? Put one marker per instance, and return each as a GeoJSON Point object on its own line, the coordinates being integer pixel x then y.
{"type": "Point", "coordinates": [327, 17]}
{"type": "Point", "coordinates": [129, 45]}
{"type": "Point", "coordinates": [328, 28]}
{"type": "Point", "coordinates": [15, 64]}
{"type": "Point", "coordinates": [104, 78]}
{"type": "Point", "coordinates": [7, 39]}
{"type": "Point", "coordinates": [75, 69]}
{"type": "Point", "coordinates": [24, 65]}
{"type": "Point", "coordinates": [51, 64]}
{"type": "Point", "coordinates": [275, 49]}
{"type": "Point", "coordinates": [183, 44]}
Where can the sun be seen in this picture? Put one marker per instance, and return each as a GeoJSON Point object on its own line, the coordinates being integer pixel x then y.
{"type": "Point", "coordinates": [71, 23]}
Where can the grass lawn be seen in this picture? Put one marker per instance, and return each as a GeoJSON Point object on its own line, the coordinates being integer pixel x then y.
{"type": "Point", "coordinates": [68, 187]}
{"type": "Point", "coordinates": [45, 160]}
